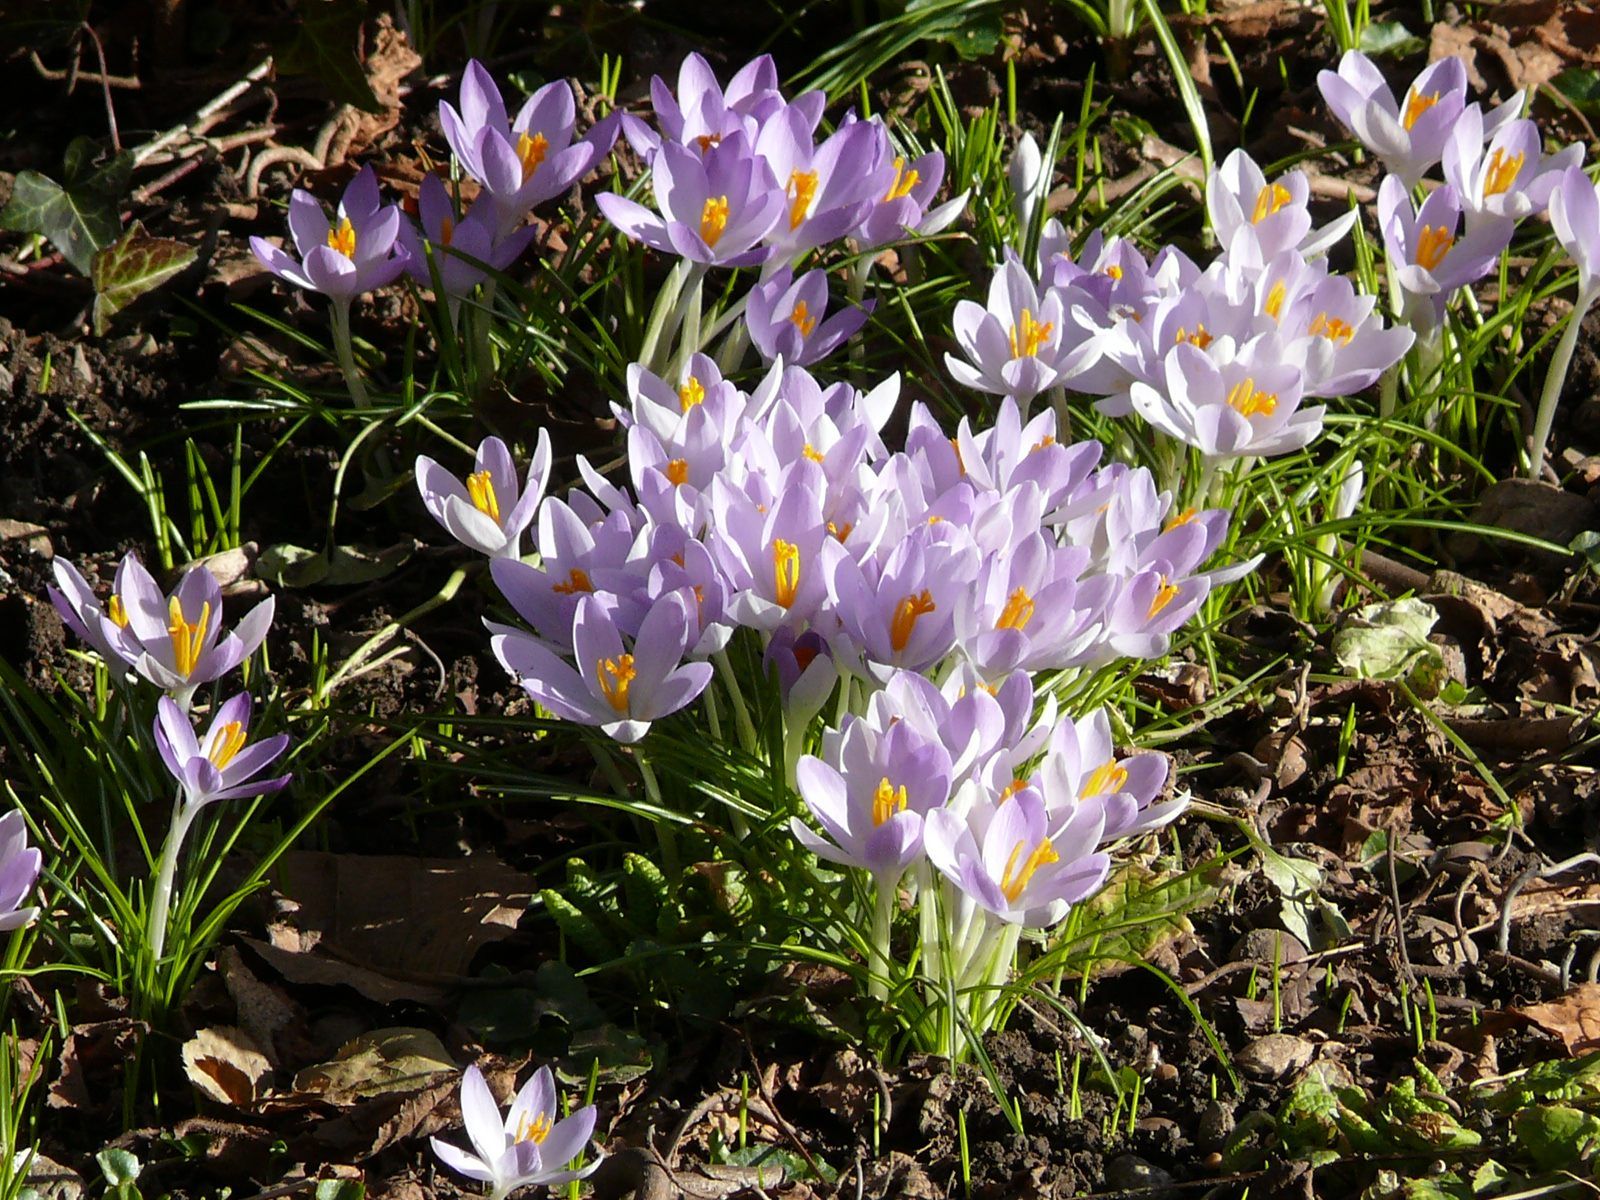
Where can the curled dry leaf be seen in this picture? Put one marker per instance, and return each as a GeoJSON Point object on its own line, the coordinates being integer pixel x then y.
{"type": "Point", "coordinates": [1574, 1019]}
{"type": "Point", "coordinates": [227, 1066]}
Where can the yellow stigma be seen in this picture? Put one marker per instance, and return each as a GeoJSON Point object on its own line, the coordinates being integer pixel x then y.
{"type": "Point", "coordinates": [1331, 328]}
{"type": "Point", "coordinates": [531, 150]}
{"type": "Point", "coordinates": [187, 639]}
{"type": "Point", "coordinates": [713, 219]}
{"type": "Point", "coordinates": [1012, 788]}
{"type": "Point", "coordinates": [1275, 298]}
{"type": "Point", "coordinates": [1248, 402]}
{"type": "Point", "coordinates": [225, 743]}
{"type": "Point", "coordinates": [343, 238]}
{"type": "Point", "coordinates": [1269, 200]}
{"type": "Point", "coordinates": [678, 472]}
{"type": "Point", "coordinates": [1108, 777]}
{"type": "Point", "coordinates": [1017, 612]}
{"type": "Point", "coordinates": [1182, 518]}
{"type": "Point", "coordinates": [905, 618]}
{"type": "Point", "coordinates": [1200, 338]}
{"type": "Point", "coordinates": [116, 611]}
{"type": "Point", "coordinates": [615, 674]}
{"type": "Point", "coordinates": [802, 191]}
{"type": "Point", "coordinates": [447, 231]}
{"type": "Point", "coordinates": [1028, 335]}
{"type": "Point", "coordinates": [887, 801]}
{"type": "Point", "coordinates": [480, 486]}
{"type": "Point", "coordinates": [1503, 172]}
{"type": "Point", "coordinates": [1115, 272]}
{"type": "Point", "coordinates": [534, 1128]}
{"type": "Point", "coordinates": [707, 140]}
{"type": "Point", "coordinates": [802, 318]}
{"type": "Point", "coordinates": [577, 581]}
{"type": "Point", "coordinates": [1418, 103]}
{"type": "Point", "coordinates": [1043, 443]}
{"type": "Point", "coordinates": [1017, 874]}
{"type": "Point", "coordinates": [904, 180]}
{"type": "Point", "coordinates": [955, 444]}
{"type": "Point", "coordinates": [785, 571]}
{"type": "Point", "coordinates": [691, 393]}
{"type": "Point", "coordinates": [840, 532]}
{"type": "Point", "coordinates": [812, 453]}
{"type": "Point", "coordinates": [1165, 595]}
{"type": "Point", "coordinates": [1433, 243]}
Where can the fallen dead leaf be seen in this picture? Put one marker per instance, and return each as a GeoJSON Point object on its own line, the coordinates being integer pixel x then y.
{"type": "Point", "coordinates": [388, 63]}
{"type": "Point", "coordinates": [226, 1065]}
{"type": "Point", "coordinates": [379, 1063]}
{"type": "Point", "coordinates": [1574, 1018]}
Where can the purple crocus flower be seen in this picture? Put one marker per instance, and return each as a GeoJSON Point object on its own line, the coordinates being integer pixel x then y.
{"type": "Point", "coordinates": [490, 511]}
{"type": "Point", "coordinates": [700, 114]}
{"type": "Point", "coordinates": [872, 804]}
{"type": "Point", "coordinates": [1226, 410]}
{"type": "Point", "coordinates": [1268, 217]}
{"type": "Point", "coordinates": [785, 317]}
{"type": "Point", "coordinates": [805, 670]}
{"type": "Point", "coordinates": [219, 766]}
{"type": "Point", "coordinates": [20, 865]}
{"type": "Point", "coordinates": [176, 641]}
{"type": "Point", "coordinates": [1018, 868]}
{"type": "Point", "coordinates": [903, 615]}
{"type": "Point", "coordinates": [1081, 768]}
{"type": "Point", "coordinates": [1016, 346]}
{"type": "Point", "coordinates": [1430, 259]}
{"type": "Point", "coordinates": [1028, 609]}
{"type": "Point", "coordinates": [521, 162]}
{"type": "Point", "coordinates": [825, 187]}
{"type": "Point", "coordinates": [715, 207]}
{"type": "Point", "coordinates": [620, 691]}
{"type": "Point", "coordinates": [456, 240]}
{"type": "Point", "coordinates": [900, 193]}
{"type": "Point", "coordinates": [529, 1147]}
{"type": "Point", "coordinates": [1575, 217]}
{"type": "Point", "coordinates": [1409, 137]}
{"type": "Point", "coordinates": [362, 252]}
{"type": "Point", "coordinates": [1508, 179]}
{"type": "Point", "coordinates": [1338, 339]}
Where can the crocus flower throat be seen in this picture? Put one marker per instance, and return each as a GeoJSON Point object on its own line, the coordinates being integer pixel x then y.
{"type": "Point", "coordinates": [1017, 874]}
{"type": "Point", "coordinates": [187, 640]}
{"type": "Point", "coordinates": [1418, 103]}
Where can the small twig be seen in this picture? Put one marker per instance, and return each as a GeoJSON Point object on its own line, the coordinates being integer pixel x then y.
{"type": "Point", "coordinates": [254, 75]}
{"type": "Point", "coordinates": [772, 1107]}
{"type": "Point", "coordinates": [271, 157]}
{"type": "Point", "coordinates": [1399, 914]}
{"type": "Point", "coordinates": [127, 83]}
{"type": "Point", "coordinates": [1527, 876]}
{"type": "Point", "coordinates": [161, 183]}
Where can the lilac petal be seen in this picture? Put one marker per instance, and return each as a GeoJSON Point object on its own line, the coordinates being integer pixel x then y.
{"type": "Point", "coordinates": [480, 1115]}
{"type": "Point", "coordinates": [460, 1161]}
{"type": "Point", "coordinates": [569, 1137]}
{"type": "Point", "coordinates": [308, 223]}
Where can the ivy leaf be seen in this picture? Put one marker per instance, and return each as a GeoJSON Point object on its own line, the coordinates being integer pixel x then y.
{"type": "Point", "coordinates": [324, 46]}
{"type": "Point", "coordinates": [137, 263]}
{"type": "Point", "coordinates": [80, 216]}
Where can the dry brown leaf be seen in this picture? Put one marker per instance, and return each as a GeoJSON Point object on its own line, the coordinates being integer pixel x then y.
{"type": "Point", "coordinates": [380, 1063]}
{"type": "Point", "coordinates": [226, 1065]}
{"type": "Point", "coordinates": [1574, 1018]}
{"type": "Point", "coordinates": [389, 62]}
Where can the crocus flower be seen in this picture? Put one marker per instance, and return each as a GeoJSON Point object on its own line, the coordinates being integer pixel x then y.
{"type": "Point", "coordinates": [825, 186]}
{"type": "Point", "coordinates": [900, 194]}
{"type": "Point", "coordinates": [20, 864]}
{"type": "Point", "coordinates": [620, 691]}
{"type": "Point", "coordinates": [456, 240]}
{"type": "Point", "coordinates": [1510, 177]}
{"type": "Point", "coordinates": [525, 161]}
{"type": "Point", "coordinates": [1575, 217]}
{"type": "Point", "coordinates": [362, 252]}
{"type": "Point", "coordinates": [715, 207]}
{"type": "Point", "coordinates": [872, 805]}
{"type": "Point", "coordinates": [528, 1147]}
{"type": "Point", "coordinates": [1015, 346]}
{"type": "Point", "coordinates": [1230, 409]}
{"type": "Point", "coordinates": [1271, 216]}
{"type": "Point", "coordinates": [1338, 339]}
{"type": "Point", "coordinates": [175, 641]}
{"type": "Point", "coordinates": [785, 317]}
{"type": "Point", "coordinates": [700, 114]}
{"type": "Point", "coordinates": [1020, 870]}
{"type": "Point", "coordinates": [1431, 259]}
{"type": "Point", "coordinates": [221, 765]}
{"type": "Point", "coordinates": [490, 511]}
{"type": "Point", "coordinates": [1409, 137]}
{"type": "Point", "coordinates": [1030, 182]}
{"type": "Point", "coordinates": [1081, 768]}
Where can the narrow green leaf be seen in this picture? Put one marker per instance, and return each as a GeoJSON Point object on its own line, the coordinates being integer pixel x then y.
{"type": "Point", "coordinates": [135, 264]}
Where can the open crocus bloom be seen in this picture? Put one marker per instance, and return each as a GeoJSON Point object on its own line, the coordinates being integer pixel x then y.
{"type": "Point", "coordinates": [176, 641]}
{"type": "Point", "coordinates": [1015, 346]}
{"type": "Point", "coordinates": [20, 865]}
{"type": "Point", "coordinates": [360, 252]}
{"type": "Point", "coordinates": [787, 319]}
{"type": "Point", "coordinates": [525, 1148]}
{"type": "Point", "coordinates": [455, 240]}
{"type": "Point", "coordinates": [1507, 179]}
{"type": "Point", "coordinates": [490, 510]}
{"type": "Point", "coordinates": [1408, 137]}
{"type": "Point", "coordinates": [1431, 258]}
{"type": "Point", "coordinates": [221, 765]}
{"type": "Point", "coordinates": [1229, 409]}
{"type": "Point", "coordinates": [1271, 215]}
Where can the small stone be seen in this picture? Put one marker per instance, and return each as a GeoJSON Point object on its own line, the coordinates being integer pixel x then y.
{"type": "Point", "coordinates": [1129, 1171]}
{"type": "Point", "coordinates": [1269, 946]}
{"type": "Point", "coordinates": [1275, 1056]}
{"type": "Point", "coordinates": [81, 371]}
{"type": "Point", "coordinates": [32, 537]}
{"type": "Point", "coordinates": [1216, 1126]}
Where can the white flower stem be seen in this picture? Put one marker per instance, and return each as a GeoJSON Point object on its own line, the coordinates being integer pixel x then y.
{"type": "Point", "coordinates": [882, 924]}
{"type": "Point", "coordinates": [166, 869]}
{"type": "Point", "coordinates": [689, 339]}
{"type": "Point", "coordinates": [1554, 380]}
{"type": "Point", "coordinates": [346, 354]}
{"type": "Point", "coordinates": [741, 714]}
